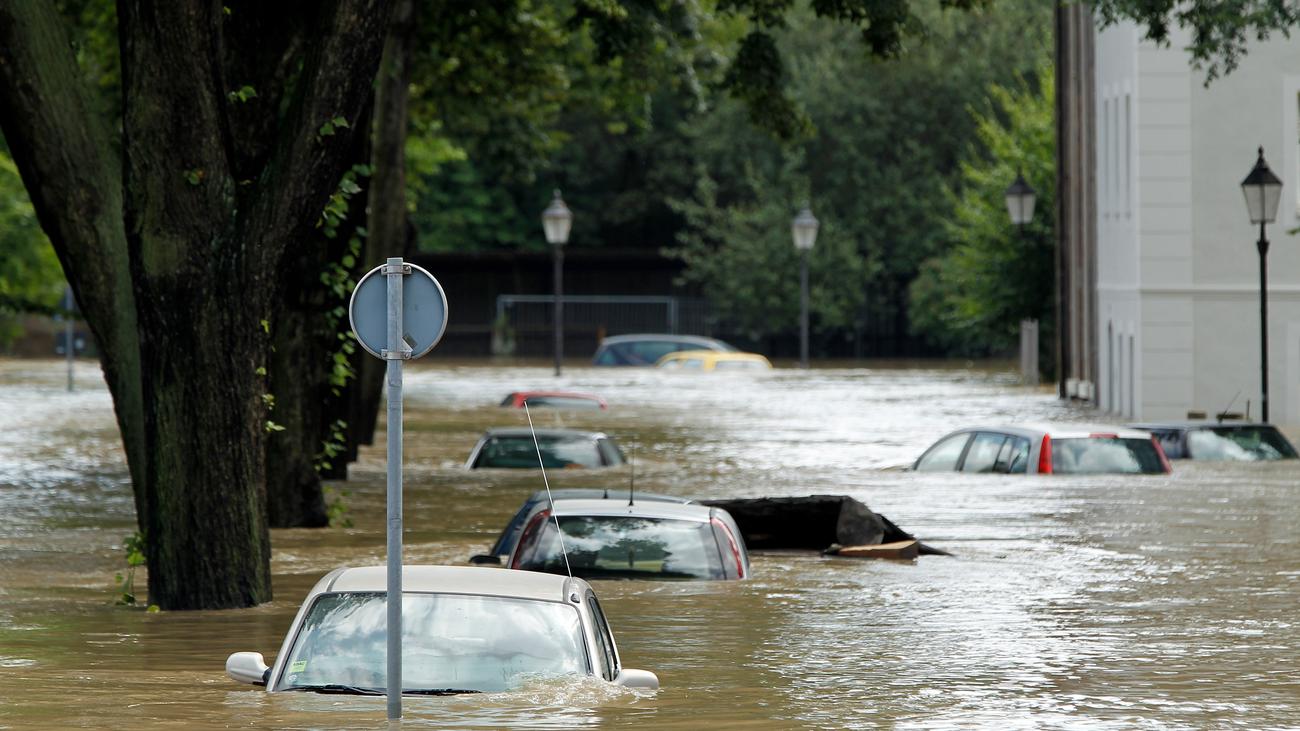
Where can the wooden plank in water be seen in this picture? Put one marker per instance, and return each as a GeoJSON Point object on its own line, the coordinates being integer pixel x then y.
{"type": "Point", "coordinates": [896, 550]}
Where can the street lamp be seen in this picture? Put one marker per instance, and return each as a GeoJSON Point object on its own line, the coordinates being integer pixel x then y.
{"type": "Point", "coordinates": [1263, 192]}
{"type": "Point", "coordinates": [556, 220]}
{"type": "Point", "coordinates": [1020, 202]}
{"type": "Point", "coordinates": [1020, 205]}
{"type": "Point", "coordinates": [804, 230]}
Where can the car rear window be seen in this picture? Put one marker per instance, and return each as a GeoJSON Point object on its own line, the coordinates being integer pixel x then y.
{"type": "Point", "coordinates": [942, 457]}
{"type": "Point", "coordinates": [625, 547]}
{"type": "Point", "coordinates": [1244, 443]}
{"type": "Point", "coordinates": [557, 452]}
{"type": "Point", "coordinates": [1092, 455]}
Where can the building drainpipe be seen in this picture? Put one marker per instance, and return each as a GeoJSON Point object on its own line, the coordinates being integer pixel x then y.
{"type": "Point", "coordinates": [1062, 194]}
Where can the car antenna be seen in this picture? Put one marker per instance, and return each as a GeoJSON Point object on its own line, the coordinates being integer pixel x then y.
{"type": "Point", "coordinates": [558, 533]}
{"type": "Point", "coordinates": [1222, 414]}
{"type": "Point", "coordinates": [631, 480]}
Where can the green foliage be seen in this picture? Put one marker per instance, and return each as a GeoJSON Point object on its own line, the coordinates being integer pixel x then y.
{"type": "Point", "coordinates": [332, 446]}
{"type": "Point", "coordinates": [973, 297]}
{"type": "Point", "coordinates": [1219, 30]}
{"type": "Point", "coordinates": [742, 256]}
{"type": "Point", "coordinates": [133, 546]}
{"type": "Point", "coordinates": [337, 276]}
{"type": "Point", "coordinates": [889, 137]}
{"type": "Point", "coordinates": [330, 126]}
{"type": "Point", "coordinates": [31, 279]}
{"type": "Point", "coordinates": [243, 94]}
{"type": "Point", "coordinates": [336, 507]}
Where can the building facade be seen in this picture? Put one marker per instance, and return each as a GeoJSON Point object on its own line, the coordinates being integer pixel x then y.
{"type": "Point", "coordinates": [1177, 321]}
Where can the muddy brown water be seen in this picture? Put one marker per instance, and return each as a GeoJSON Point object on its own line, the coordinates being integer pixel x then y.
{"type": "Point", "coordinates": [1100, 602]}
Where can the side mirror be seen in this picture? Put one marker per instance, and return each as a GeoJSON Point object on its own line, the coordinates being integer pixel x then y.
{"type": "Point", "coordinates": [247, 667]}
{"type": "Point", "coordinates": [629, 678]}
{"type": "Point", "coordinates": [485, 559]}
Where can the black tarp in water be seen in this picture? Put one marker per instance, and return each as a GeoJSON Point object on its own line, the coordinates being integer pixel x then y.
{"type": "Point", "coordinates": [813, 522]}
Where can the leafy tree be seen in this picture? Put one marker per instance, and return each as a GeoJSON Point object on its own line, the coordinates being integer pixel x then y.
{"type": "Point", "coordinates": [972, 297]}
{"type": "Point", "coordinates": [888, 139]}
{"type": "Point", "coordinates": [743, 255]}
{"type": "Point", "coordinates": [1220, 29]}
{"type": "Point", "coordinates": [30, 279]}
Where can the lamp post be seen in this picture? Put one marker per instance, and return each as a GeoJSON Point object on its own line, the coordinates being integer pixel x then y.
{"type": "Point", "coordinates": [1263, 191]}
{"type": "Point", "coordinates": [804, 229]}
{"type": "Point", "coordinates": [1020, 206]}
{"type": "Point", "coordinates": [556, 220]}
{"type": "Point", "coordinates": [1020, 202]}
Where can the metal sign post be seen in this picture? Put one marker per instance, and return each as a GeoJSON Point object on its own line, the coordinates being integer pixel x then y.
{"type": "Point", "coordinates": [397, 319]}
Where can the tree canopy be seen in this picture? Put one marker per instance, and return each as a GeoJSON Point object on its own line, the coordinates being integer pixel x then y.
{"type": "Point", "coordinates": [1219, 30]}
{"type": "Point", "coordinates": [972, 297]}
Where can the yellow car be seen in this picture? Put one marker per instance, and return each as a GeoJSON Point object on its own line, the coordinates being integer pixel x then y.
{"type": "Point", "coordinates": [711, 360]}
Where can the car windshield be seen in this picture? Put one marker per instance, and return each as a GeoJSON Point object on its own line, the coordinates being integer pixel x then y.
{"type": "Point", "coordinates": [449, 641]}
{"type": "Point", "coordinates": [626, 547]}
{"type": "Point", "coordinates": [557, 452]}
{"type": "Point", "coordinates": [1105, 454]}
{"type": "Point", "coordinates": [1242, 443]}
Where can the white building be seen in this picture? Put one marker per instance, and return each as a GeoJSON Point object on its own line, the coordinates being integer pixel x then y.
{"type": "Point", "coordinates": [1177, 271]}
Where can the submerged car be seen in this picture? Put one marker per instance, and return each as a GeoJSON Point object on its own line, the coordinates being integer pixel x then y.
{"type": "Point", "coordinates": [1045, 449]}
{"type": "Point", "coordinates": [709, 360]}
{"type": "Point", "coordinates": [560, 449]}
{"type": "Point", "coordinates": [647, 349]}
{"type": "Point", "coordinates": [464, 630]}
{"type": "Point", "coordinates": [1214, 440]}
{"type": "Point", "coordinates": [611, 539]}
{"type": "Point", "coordinates": [505, 542]}
{"type": "Point", "coordinates": [555, 400]}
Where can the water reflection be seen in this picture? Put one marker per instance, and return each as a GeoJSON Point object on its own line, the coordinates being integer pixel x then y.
{"type": "Point", "coordinates": [1103, 601]}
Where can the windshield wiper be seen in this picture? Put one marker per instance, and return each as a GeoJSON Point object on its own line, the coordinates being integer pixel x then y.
{"type": "Point", "coordinates": [438, 691]}
{"type": "Point", "coordinates": [338, 688]}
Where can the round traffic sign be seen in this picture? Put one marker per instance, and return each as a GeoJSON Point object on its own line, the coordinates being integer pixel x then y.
{"type": "Point", "coordinates": [424, 311]}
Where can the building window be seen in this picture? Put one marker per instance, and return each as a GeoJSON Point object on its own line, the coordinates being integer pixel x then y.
{"type": "Point", "coordinates": [1114, 149]}
{"type": "Point", "coordinates": [1105, 158]}
{"type": "Point", "coordinates": [1128, 154]}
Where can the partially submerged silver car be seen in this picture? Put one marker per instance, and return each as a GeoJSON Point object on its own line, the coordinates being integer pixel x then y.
{"type": "Point", "coordinates": [464, 630]}
{"type": "Point", "coordinates": [1045, 449]}
{"type": "Point", "coordinates": [610, 539]}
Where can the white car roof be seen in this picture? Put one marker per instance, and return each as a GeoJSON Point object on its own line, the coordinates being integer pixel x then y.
{"type": "Point", "coordinates": [646, 509]}
{"type": "Point", "coordinates": [482, 581]}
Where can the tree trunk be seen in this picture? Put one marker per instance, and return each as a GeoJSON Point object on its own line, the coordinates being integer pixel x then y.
{"type": "Point", "coordinates": [298, 380]}
{"type": "Point", "coordinates": [308, 396]}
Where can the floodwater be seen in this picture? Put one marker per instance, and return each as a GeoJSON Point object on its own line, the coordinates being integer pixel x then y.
{"type": "Point", "coordinates": [1100, 602]}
